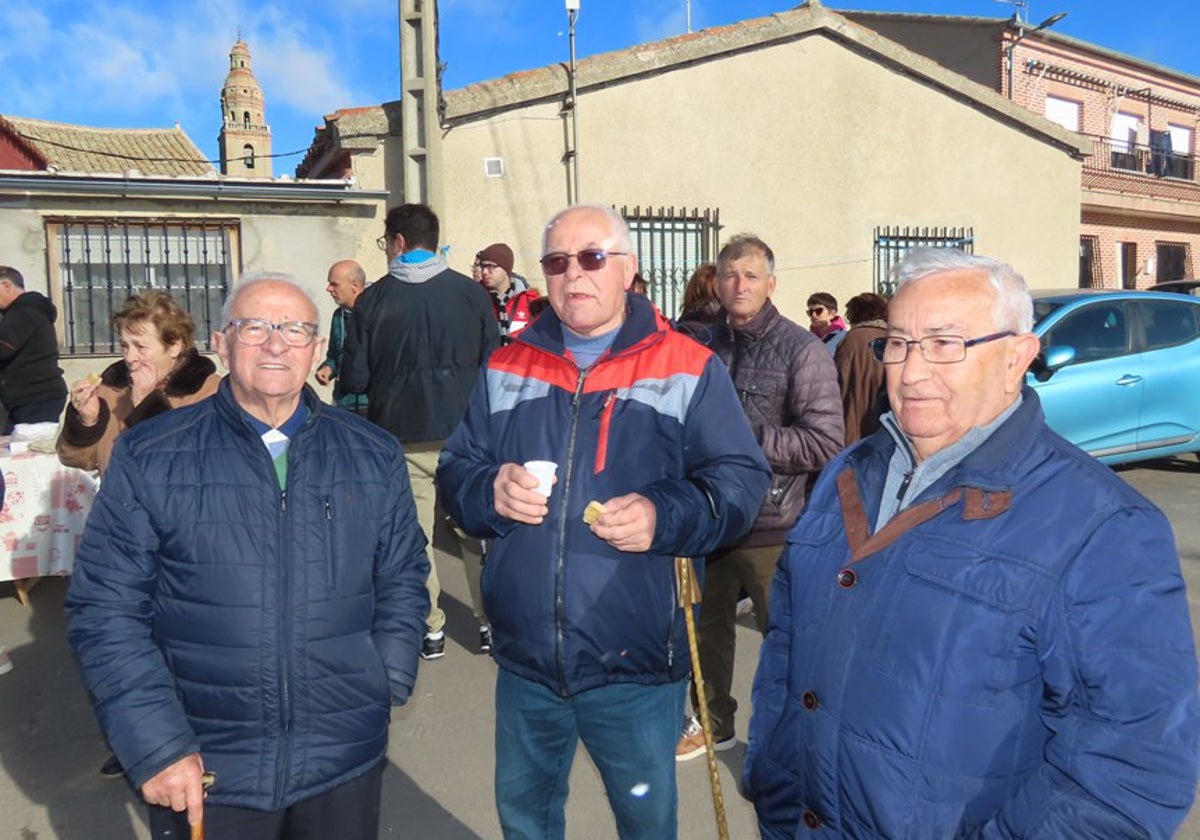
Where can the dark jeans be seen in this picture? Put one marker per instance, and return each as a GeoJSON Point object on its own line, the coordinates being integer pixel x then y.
{"type": "Point", "coordinates": [348, 812]}
{"type": "Point", "coordinates": [629, 730]}
{"type": "Point", "coordinates": [42, 412]}
{"type": "Point", "coordinates": [726, 573]}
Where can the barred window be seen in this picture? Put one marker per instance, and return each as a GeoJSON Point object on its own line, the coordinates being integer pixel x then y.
{"type": "Point", "coordinates": [99, 263]}
{"type": "Point", "coordinates": [893, 243]}
{"type": "Point", "coordinates": [670, 244]}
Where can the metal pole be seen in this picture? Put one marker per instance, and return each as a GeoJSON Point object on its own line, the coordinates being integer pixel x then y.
{"type": "Point", "coordinates": [1021, 33]}
{"type": "Point", "coordinates": [574, 199]}
{"type": "Point", "coordinates": [689, 16]}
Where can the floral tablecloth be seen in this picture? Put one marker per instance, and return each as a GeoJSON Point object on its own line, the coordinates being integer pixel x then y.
{"type": "Point", "coordinates": [46, 506]}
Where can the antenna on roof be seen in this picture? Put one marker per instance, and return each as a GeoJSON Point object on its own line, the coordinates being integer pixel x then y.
{"type": "Point", "coordinates": [1021, 13]}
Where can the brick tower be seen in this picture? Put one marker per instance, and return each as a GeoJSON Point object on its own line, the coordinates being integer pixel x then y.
{"type": "Point", "coordinates": [245, 138]}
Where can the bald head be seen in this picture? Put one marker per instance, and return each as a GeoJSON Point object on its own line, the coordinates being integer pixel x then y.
{"type": "Point", "coordinates": [346, 281]}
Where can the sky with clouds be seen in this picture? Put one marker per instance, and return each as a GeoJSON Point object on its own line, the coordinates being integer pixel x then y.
{"type": "Point", "coordinates": [131, 63]}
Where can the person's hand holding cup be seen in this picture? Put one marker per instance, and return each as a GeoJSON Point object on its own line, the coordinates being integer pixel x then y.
{"type": "Point", "coordinates": [544, 472]}
{"type": "Point", "coordinates": [522, 491]}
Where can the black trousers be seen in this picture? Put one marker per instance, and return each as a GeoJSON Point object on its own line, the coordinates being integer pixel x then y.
{"type": "Point", "coordinates": [348, 812]}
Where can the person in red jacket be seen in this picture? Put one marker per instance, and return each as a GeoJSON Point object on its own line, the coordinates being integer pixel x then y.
{"type": "Point", "coordinates": [511, 293]}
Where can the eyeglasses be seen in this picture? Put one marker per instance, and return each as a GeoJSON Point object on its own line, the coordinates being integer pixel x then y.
{"type": "Point", "coordinates": [935, 349]}
{"type": "Point", "coordinates": [255, 331]}
{"type": "Point", "coordinates": [815, 310]}
{"type": "Point", "coordinates": [590, 259]}
{"type": "Point", "coordinates": [382, 242]}
{"type": "Point", "coordinates": [487, 266]}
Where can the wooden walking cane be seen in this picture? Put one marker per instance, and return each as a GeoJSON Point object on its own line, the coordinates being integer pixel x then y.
{"type": "Point", "coordinates": [689, 596]}
{"type": "Point", "coordinates": [206, 781]}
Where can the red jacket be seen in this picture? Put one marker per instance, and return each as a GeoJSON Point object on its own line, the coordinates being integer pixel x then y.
{"type": "Point", "coordinates": [516, 308]}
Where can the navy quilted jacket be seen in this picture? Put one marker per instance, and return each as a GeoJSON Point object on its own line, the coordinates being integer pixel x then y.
{"type": "Point", "coordinates": [656, 415]}
{"type": "Point", "coordinates": [272, 631]}
{"type": "Point", "coordinates": [1010, 656]}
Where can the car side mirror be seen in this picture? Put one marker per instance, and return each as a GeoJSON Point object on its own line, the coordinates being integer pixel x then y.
{"type": "Point", "coordinates": [1050, 360]}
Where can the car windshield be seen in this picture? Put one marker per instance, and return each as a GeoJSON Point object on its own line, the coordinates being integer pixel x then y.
{"type": "Point", "coordinates": [1043, 308]}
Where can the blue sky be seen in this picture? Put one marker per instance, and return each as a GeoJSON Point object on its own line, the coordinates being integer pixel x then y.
{"type": "Point", "coordinates": [133, 63]}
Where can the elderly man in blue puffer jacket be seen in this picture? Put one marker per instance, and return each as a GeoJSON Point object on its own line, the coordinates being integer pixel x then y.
{"type": "Point", "coordinates": [977, 630]}
{"type": "Point", "coordinates": [249, 596]}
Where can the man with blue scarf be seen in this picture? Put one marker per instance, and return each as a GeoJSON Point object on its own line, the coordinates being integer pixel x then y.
{"type": "Point", "coordinates": [420, 335]}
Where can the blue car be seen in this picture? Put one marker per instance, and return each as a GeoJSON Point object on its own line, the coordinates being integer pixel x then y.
{"type": "Point", "coordinates": [1119, 371]}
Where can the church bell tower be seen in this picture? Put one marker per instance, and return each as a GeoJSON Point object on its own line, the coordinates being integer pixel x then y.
{"type": "Point", "coordinates": [245, 139]}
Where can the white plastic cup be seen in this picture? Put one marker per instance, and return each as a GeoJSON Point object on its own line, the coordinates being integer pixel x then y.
{"type": "Point", "coordinates": [544, 470]}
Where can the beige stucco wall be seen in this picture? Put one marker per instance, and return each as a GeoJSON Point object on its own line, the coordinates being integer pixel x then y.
{"type": "Point", "coordinates": [808, 144]}
{"type": "Point", "coordinates": [297, 239]}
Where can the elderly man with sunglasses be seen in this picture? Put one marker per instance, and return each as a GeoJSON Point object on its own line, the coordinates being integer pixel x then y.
{"type": "Point", "coordinates": [977, 630]}
{"type": "Point", "coordinates": [249, 595]}
{"type": "Point", "coordinates": [589, 635]}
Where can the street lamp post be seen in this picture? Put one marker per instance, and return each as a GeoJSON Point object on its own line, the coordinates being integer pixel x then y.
{"type": "Point", "coordinates": [1022, 32]}
{"type": "Point", "coordinates": [572, 15]}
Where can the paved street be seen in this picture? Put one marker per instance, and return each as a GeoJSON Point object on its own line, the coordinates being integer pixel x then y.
{"type": "Point", "coordinates": [439, 779]}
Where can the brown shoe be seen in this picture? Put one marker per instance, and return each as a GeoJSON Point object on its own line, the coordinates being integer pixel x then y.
{"type": "Point", "coordinates": [691, 741]}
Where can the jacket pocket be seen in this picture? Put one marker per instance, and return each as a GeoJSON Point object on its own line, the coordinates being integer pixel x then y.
{"type": "Point", "coordinates": [331, 546]}
{"type": "Point", "coordinates": [956, 619]}
{"type": "Point", "coordinates": [606, 413]}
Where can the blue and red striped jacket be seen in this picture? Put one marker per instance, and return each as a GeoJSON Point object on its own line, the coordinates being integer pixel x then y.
{"type": "Point", "coordinates": [657, 415]}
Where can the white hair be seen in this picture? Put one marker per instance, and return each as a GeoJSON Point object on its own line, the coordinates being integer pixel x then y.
{"type": "Point", "coordinates": [617, 225]}
{"type": "Point", "coordinates": [1012, 308]}
{"type": "Point", "coordinates": [251, 280]}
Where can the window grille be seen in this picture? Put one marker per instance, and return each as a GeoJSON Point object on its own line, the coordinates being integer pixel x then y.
{"type": "Point", "coordinates": [670, 243]}
{"type": "Point", "coordinates": [99, 263]}
{"type": "Point", "coordinates": [893, 243]}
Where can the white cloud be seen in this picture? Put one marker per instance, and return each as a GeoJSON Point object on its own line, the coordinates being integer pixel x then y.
{"type": "Point", "coordinates": [129, 63]}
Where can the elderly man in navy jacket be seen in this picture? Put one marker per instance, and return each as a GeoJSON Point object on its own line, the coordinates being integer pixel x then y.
{"type": "Point", "coordinates": [249, 596]}
{"type": "Point", "coordinates": [977, 630]}
{"type": "Point", "coordinates": [588, 633]}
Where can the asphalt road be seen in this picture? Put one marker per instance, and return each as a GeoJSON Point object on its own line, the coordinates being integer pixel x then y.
{"type": "Point", "coordinates": [438, 781]}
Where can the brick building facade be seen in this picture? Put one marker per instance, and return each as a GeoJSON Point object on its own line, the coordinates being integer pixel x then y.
{"type": "Point", "coordinates": [1139, 193]}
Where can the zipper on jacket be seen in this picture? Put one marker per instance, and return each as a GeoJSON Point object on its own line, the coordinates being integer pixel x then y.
{"type": "Point", "coordinates": [330, 548]}
{"type": "Point", "coordinates": [606, 414]}
{"type": "Point", "coordinates": [560, 560]}
{"type": "Point", "coordinates": [904, 482]}
{"type": "Point", "coordinates": [285, 688]}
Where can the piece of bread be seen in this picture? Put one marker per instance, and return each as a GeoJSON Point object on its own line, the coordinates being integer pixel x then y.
{"type": "Point", "coordinates": [592, 512]}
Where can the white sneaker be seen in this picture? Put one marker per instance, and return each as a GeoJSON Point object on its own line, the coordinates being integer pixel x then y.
{"type": "Point", "coordinates": [5, 663]}
{"type": "Point", "coordinates": [745, 607]}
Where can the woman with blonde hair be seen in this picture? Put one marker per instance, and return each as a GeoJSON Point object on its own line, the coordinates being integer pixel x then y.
{"type": "Point", "coordinates": [160, 369]}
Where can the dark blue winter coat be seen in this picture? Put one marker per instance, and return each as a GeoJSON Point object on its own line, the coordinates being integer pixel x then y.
{"type": "Point", "coordinates": [1008, 657]}
{"type": "Point", "coordinates": [656, 415]}
{"type": "Point", "coordinates": [271, 631]}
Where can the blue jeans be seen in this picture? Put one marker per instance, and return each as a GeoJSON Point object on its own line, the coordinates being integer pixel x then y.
{"type": "Point", "coordinates": [628, 729]}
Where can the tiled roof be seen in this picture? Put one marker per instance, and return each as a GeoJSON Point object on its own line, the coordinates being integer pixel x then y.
{"type": "Point", "coordinates": [79, 148]}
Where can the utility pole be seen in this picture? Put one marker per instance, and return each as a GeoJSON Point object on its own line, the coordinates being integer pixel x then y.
{"type": "Point", "coordinates": [573, 103]}
{"type": "Point", "coordinates": [420, 94]}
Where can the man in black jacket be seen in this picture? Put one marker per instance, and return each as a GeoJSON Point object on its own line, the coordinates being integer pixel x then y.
{"type": "Point", "coordinates": [31, 383]}
{"type": "Point", "coordinates": [421, 333]}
